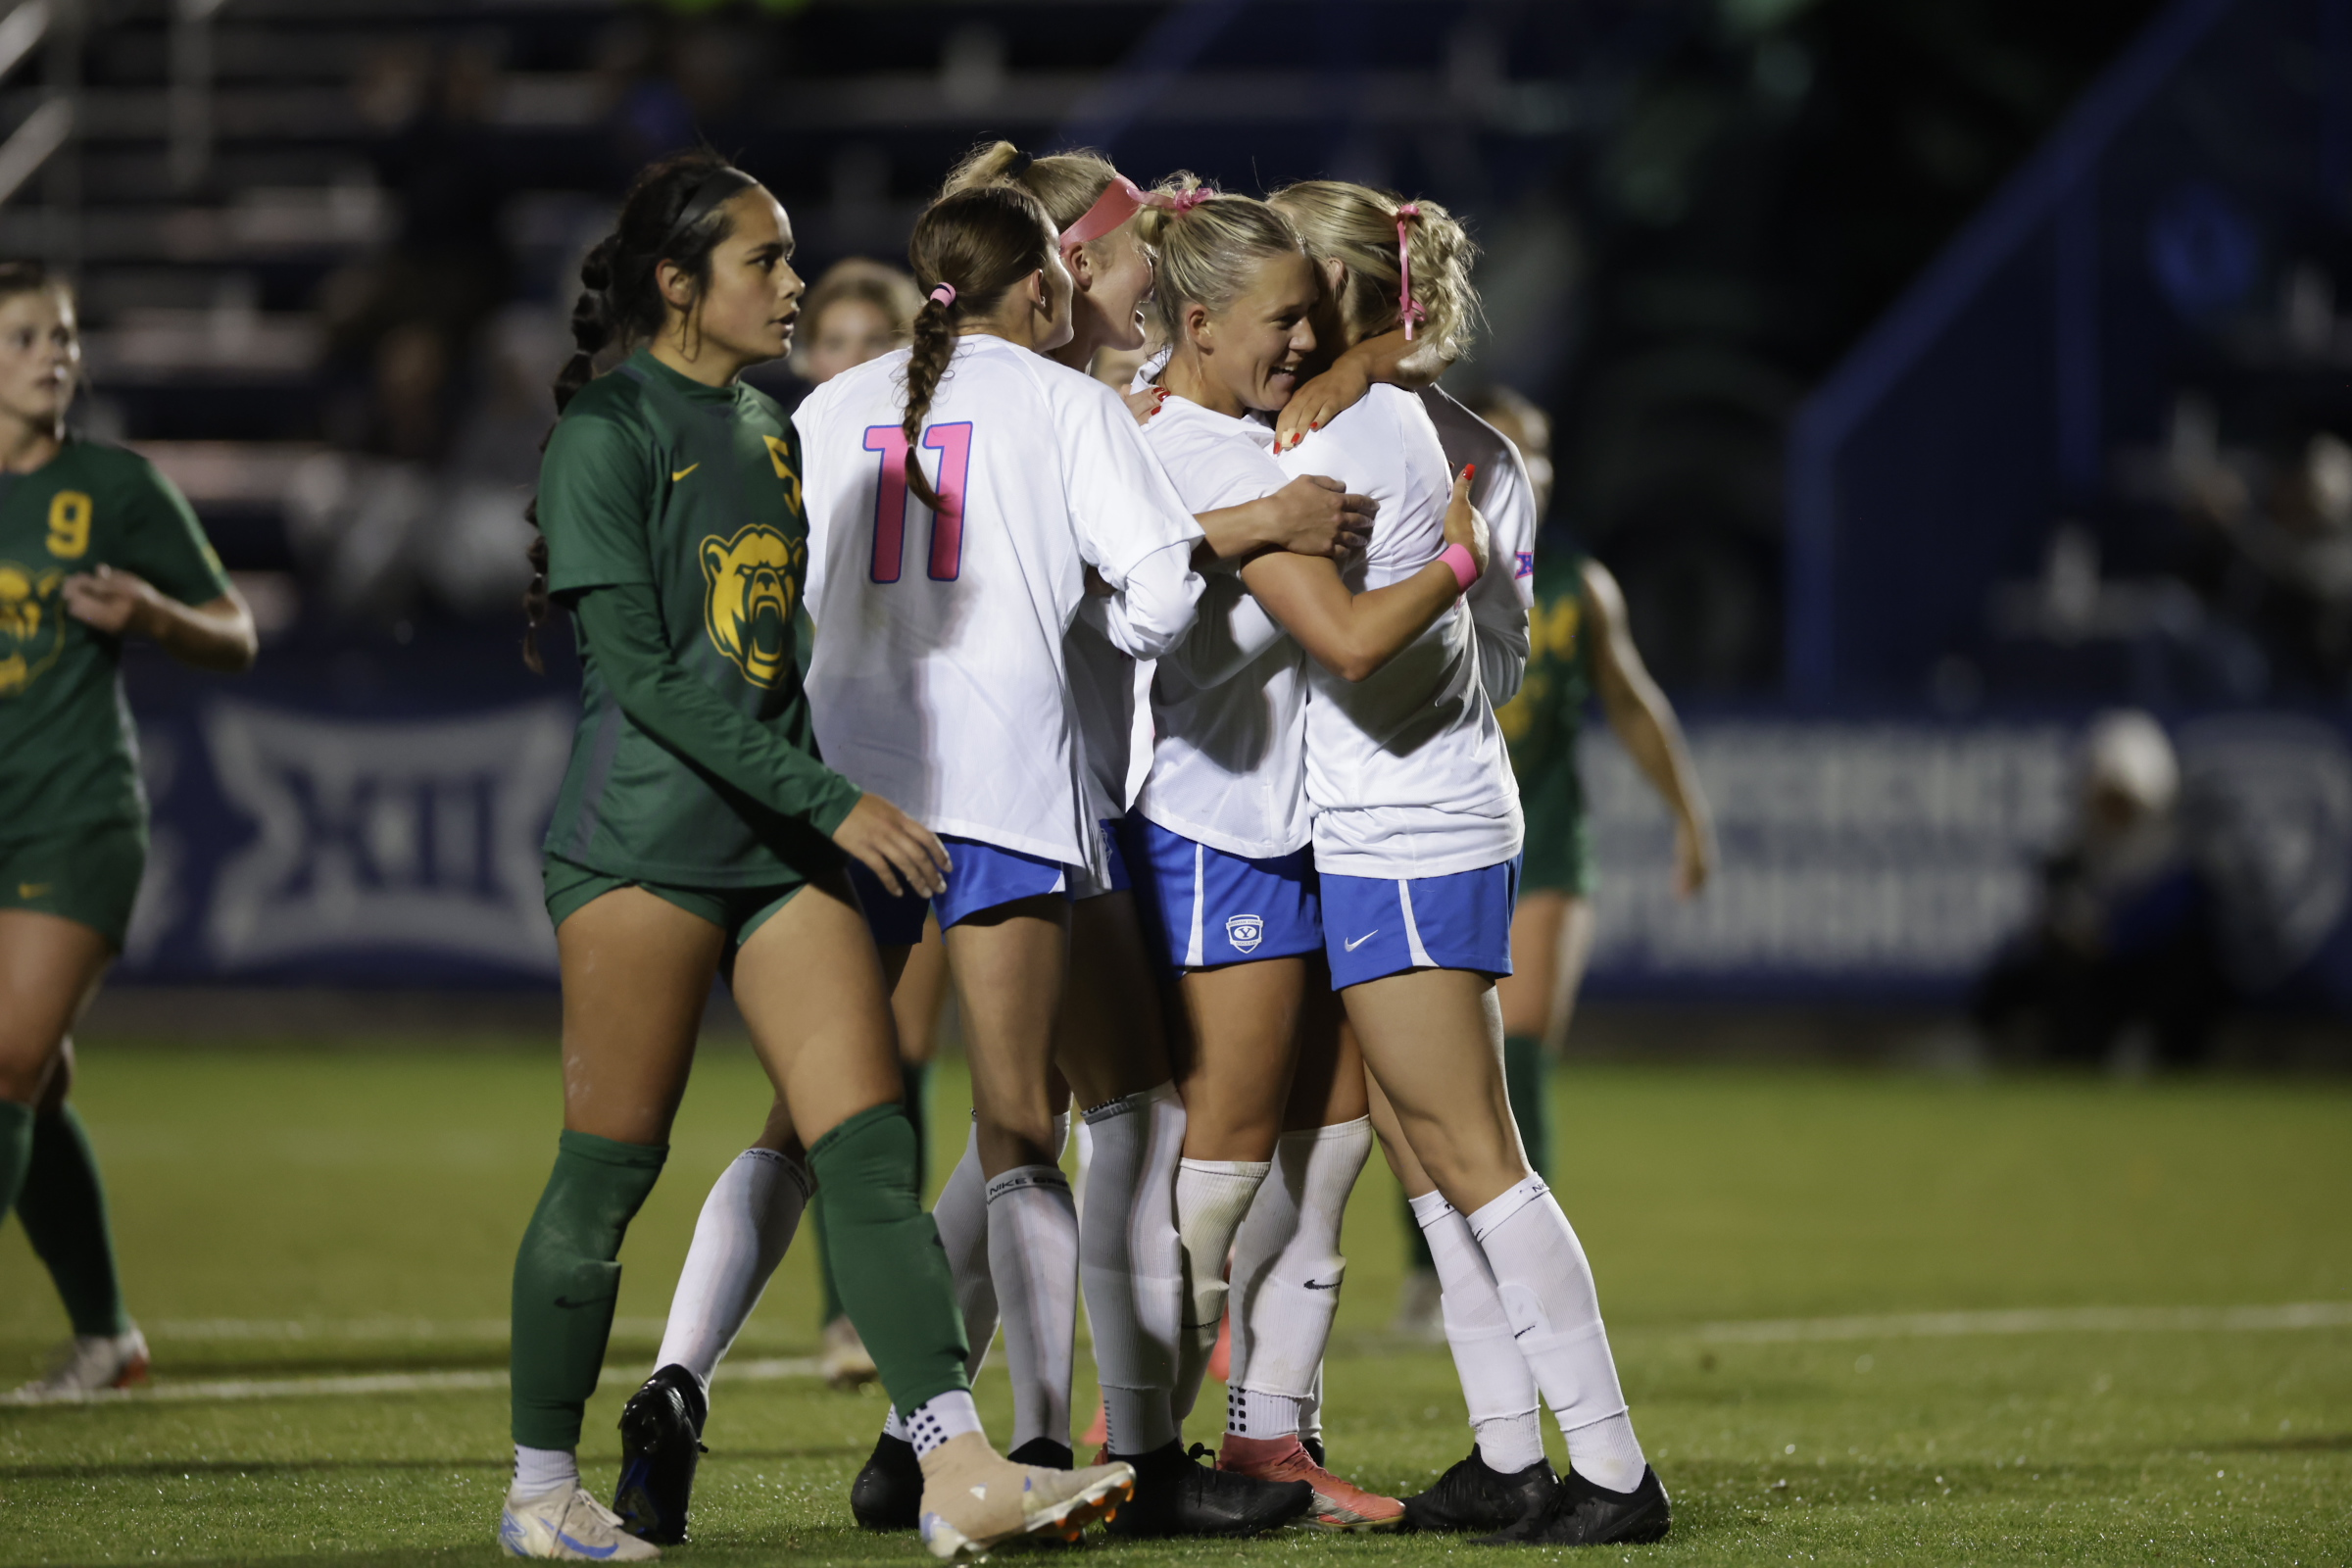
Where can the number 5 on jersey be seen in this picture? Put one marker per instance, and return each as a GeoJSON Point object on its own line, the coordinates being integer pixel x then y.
{"type": "Point", "coordinates": [954, 444]}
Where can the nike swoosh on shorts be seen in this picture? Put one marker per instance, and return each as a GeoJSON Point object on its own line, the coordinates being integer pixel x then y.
{"type": "Point", "coordinates": [1360, 941]}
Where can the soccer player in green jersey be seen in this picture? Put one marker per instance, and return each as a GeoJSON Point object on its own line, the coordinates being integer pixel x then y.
{"type": "Point", "coordinates": [698, 834]}
{"type": "Point", "coordinates": [95, 547]}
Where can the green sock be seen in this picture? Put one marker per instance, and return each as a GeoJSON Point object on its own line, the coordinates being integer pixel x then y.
{"type": "Point", "coordinates": [567, 1279]}
{"type": "Point", "coordinates": [1523, 1073]}
{"type": "Point", "coordinates": [63, 1204]}
{"type": "Point", "coordinates": [914, 1078]}
{"type": "Point", "coordinates": [886, 1256]}
{"type": "Point", "coordinates": [16, 1151]}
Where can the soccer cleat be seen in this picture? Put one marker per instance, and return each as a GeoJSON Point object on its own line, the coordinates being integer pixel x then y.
{"type": "Point", "coordinates": [1475, 1499]}
{"type": "Point", "coordinates": [93, 1363]}
{"type": "Point", "coordinates": [1338, 1504]}
{"type": "Point", "coordinates": [1582, 1514]}
{"type": "Point", "coordinates": [660, 1444]}
{"type": "Point", "coordinates": [1175, 1494]}
{"type": "Point", "coordinates": [843, 1359]}
{"type": "Point", "coordinates": [1313, 1447]}
{"type": "Point", "coordinates": [975, 1499]}
{"type": "Point", "coordinates": [888, 1493]}
{"type": "Point", "coordinates": [569, 1525]}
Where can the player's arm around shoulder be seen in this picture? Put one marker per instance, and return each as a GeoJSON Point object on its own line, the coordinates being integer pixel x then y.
{"type": "Point", "coordinates": [158, 578]}
{"type": "Point", "coordinates": [1132, 528]}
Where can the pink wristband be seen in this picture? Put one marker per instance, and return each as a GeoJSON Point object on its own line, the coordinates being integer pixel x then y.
{"type": "Point", "coordinates": [1463, 563]}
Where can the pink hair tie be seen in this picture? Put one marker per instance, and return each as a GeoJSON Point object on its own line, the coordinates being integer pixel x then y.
{"type": "Point", "coordinates": [944, 294]}
{"type": "Point", "coordinates": [1406, 307]}
{"type": "Point", "coordinates": [1186, 200]}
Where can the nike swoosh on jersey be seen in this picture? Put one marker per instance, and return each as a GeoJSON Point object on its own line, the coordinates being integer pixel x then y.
{"type": "Point", "coordinates": [1360, 941]}
{"type": "Point", "coordinates": [31, 890]}
{"type": "Point", "coordinates": [683, 472]}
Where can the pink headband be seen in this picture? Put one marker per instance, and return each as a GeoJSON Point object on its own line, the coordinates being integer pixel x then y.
{"type": "Point", "coordinates": [944, 294]}
{"type": "Point", "coordinates": [1121, 200]}
{"type": "Point", "coordinates": [1405, 305]}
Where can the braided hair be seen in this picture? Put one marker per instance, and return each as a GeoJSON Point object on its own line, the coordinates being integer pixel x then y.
{"type": "Point", "coordinates": [674, 212]}
{"type": "Point", "coordinates": [979, 242]}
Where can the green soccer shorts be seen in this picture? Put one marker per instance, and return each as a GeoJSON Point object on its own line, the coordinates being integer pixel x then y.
{"type": "Point", "coordinates": [737, 912]}
{"type": "Point", "coordinates": [1559, 847]}
{"type": "Point", "coordinates": [87, 873]}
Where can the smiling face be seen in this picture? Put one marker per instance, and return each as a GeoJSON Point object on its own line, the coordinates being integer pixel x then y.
{"type": "Point", "coordinates": [40, 357]}
{"type": "Point", "coordinates": [746, 312]}
{"type": "Point", "coordinates": [1252, 351]}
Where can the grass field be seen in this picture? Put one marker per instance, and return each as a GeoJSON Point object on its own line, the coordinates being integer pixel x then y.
{"type": "Point", "coordinates": [298, 1215]}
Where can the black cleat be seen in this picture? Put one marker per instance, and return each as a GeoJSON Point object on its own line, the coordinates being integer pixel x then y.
{"type": "Point", "coordinates": [1045, 1453]}
{"type": "Point", "coordinates": [1582, 1514]}
{"type": "Point", "coordinates": [888, 1493]}
{"type": "Point", "coordinates": [1475, 1498]}
{"type": "Point", "coordinates": [1177, 1494]}
{"type": "Point", "coordinates": [660, 1444]}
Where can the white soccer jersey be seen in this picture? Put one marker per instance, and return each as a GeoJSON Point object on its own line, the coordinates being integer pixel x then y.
{"type": "Point", "coordinates": [1227, 767]}
{"type": "Point", "coordinates": [1406, 770]}
{"type": "Point", "coordinates": [937, 678]}
{"type": "Point", "coordinates": [1502, 492]}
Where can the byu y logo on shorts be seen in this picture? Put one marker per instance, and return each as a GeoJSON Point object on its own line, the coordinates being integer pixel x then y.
{"type": "Point", "coordinates": [1245, 932]}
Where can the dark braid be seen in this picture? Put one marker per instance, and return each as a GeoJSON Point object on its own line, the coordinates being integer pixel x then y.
{"type": "Point", "coordinates": [620, 301]}
{"type": "Point", "coordinates": [980, 241]}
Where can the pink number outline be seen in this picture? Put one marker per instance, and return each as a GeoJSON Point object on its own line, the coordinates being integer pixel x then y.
{"type": "Point", "coordinates": [954, 444]}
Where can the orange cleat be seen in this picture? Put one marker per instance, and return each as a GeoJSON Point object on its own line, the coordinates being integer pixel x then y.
{"type": "Point", "coordinates": [1340, 1505]}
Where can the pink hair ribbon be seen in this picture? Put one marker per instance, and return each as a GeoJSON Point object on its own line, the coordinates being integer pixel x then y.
{"type": "Point", "coordinates": [1121, 200]}
{"type": "Point", "coordinates": [1406, 306]}
{"type": "Point", "coordinates": [944, 294]}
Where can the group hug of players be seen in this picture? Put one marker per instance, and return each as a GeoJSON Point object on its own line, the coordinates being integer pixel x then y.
{"type": "Point", "coordinates": [1177, 712]}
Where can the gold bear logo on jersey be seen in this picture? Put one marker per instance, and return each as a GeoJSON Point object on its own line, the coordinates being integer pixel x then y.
{"type": "Point", "coordinates": [32, 628]}
{"type": "Point", "coordinates": [749, 581]}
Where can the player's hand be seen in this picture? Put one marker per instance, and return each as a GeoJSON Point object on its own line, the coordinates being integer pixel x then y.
{"type": "Point", "coordinates": [1693, 858]}
{"type": "Point", "coordinates": [1319, 402]}
{"type": "Point", "coordinates": [1315, 516]}
{"type": "Point", "coordinates": [112, 602]}
{"type": "Point", "coordinates": [892, 845]}
{"type": "Point", "coordinates": [1465, 525]}
{"type": "Point", "coordinates": [1145, 403]}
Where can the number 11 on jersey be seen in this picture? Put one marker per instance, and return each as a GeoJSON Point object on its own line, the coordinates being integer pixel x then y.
{"type": "Point", "coordinates": [954, 444]}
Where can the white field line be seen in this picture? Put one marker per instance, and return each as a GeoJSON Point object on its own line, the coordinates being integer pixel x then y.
{"type": "Point", "coordinates": [1767, 1330]}
{"type": "Point", "coordinates": [411, 1330]}
{"type": "Point", "coordinates": [768, 1370]}
{"type": "Point", "coordinates": [2049, 1320]}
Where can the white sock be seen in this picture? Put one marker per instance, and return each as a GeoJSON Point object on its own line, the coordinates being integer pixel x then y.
{"type": "Point", "coordinates": [1131, 1262]}
{"type": "Point", "coordinates": [1287, 1266]}
{"type": "Point", "coordinates": [1310, 1411]}
{"type": "Point", "coordinates": [1249, 1413]}
{"type": "Point", "coordinates": [1211, 1198]}
{"type": "Point", "coordinates": [941, 1417]}
{"type": "Point", "coordinates": [746, 1223]}
{"type": "Point", "coordinates": [1546, 1288]}
{"type": "Point", "coordinates": [1506, 1410]}
{"type": "Point", "coordinates": [1033, 1253]}
{"type": "Point", "coordinates": [540, 1471]}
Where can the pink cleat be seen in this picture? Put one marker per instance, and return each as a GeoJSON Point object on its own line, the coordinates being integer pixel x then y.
{"type": "Point", "coordinates": [1338, 1504]}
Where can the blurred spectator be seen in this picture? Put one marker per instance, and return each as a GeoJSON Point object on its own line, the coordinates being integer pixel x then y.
{"type": "Point", "coordinates": [860, 310]}
{"type": "Point", "coordinates": [2124, 935]}
{"type": "Point", "coordinates": [400, 322]}
{"type": "Point", "coordinates": [2277, 556]}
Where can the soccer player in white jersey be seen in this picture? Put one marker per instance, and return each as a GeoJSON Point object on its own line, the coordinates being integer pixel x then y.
{"type": "Point", "coordinates": [1417, 835]}
{"type": "Point", "coordinates": [943, 591]}
{"type": "Point", "coordinates": [1220, 839]}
